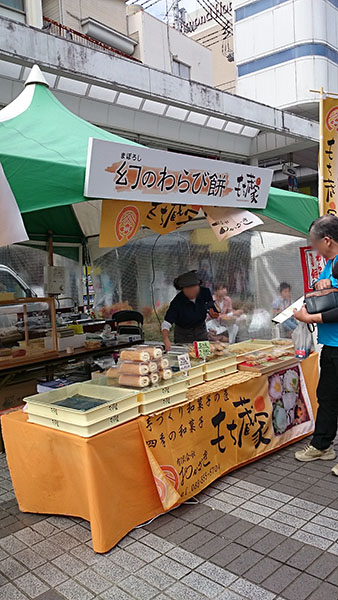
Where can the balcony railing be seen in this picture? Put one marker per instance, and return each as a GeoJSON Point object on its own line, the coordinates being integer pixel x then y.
{"type": "Point", "coordinates": [56, 28]}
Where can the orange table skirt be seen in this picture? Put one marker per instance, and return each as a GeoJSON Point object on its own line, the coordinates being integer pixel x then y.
{"type": "Point", "coordinates": [107, 480]}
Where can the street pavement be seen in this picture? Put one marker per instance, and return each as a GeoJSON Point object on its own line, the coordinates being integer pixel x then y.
{"type": "Point", "coordinates": [266, 531]}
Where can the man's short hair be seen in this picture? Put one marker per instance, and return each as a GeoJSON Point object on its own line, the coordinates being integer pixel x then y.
{"type": "Point", "coordinates": [325, 226]}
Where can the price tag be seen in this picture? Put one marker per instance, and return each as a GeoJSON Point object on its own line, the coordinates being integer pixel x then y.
{"type": "Point", "coordinates": [184, 363]}
{"type": "Point", "coordinates": [202, 349]}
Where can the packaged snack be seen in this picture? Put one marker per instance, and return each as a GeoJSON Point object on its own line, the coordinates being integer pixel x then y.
{"type": "Point", "coordinates": [134, 381]}
{"type": "Point", "coordinates": [163, 363]}
{"type": "Point", "coordinates": [113, 372]}
{"type": "Point", "coordinates": [134, 368]}
{"type": "Point", "coordinates": [166, 374]}
{"type": "Point", "coordinates": [153, 351]}
{"type": "Point", "coordinates": [135, 355]}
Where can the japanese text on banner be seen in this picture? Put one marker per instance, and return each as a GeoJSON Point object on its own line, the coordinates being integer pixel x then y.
{"type": "Point", "coordinates": [195, 443]}
{"type": "Point", "coordinates": [122, 172]}
{"type": "Point", "coordinates": [328, 192]}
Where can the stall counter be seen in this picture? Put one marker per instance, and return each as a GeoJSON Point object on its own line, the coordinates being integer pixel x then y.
{"type": "Point", "coordinates": [125, 476]}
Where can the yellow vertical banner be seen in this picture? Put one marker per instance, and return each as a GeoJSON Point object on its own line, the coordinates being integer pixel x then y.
{"type": "Point", "coordinates": [328, 155]}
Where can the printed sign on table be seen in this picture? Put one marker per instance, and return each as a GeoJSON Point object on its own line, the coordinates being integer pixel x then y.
{"type": "Point", "coordinates": [202, 349]}
{"type": "Point", "coordinates": [228, 222]}
{"type": "Point", "coordinates": [136, 173]}
{"type": "Point", "coordinates": [191, 445]}
{"type": "Point", "coordinates": [184, 363]}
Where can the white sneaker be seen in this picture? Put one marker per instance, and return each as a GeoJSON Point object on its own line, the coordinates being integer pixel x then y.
{"type": "Point", "coordinates": [334, 470]}
{"type": "Point", "coordinates": [311, 453]}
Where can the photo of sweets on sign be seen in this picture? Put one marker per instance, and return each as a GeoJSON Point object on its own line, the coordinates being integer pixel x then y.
{"type": "Point", "coordinates": [136, 173]}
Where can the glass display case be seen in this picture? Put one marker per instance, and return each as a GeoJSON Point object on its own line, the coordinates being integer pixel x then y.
{"type": "Point", "coordinates": [24, 325]}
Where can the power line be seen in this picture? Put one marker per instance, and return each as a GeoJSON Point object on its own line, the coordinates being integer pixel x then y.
{"type": "Point", "coordinates": [151, 4]}
{"type": "Point", "coordinates": [209, 36]}
{"type": "Point", "coordinates": [142, 4]}
{"type": "Point", "coordinates": [214, 43]}
{"type": "Point", "coordinates": [216, 17]}
{"type": "Point", "coordinates": [225, 24]}
{"type": "Point", "coordinates": [215, 40]}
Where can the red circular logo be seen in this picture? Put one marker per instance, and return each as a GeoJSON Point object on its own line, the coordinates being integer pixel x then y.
{"type": "Point", "coordinates": [171, 474]}
{"type": "Point", "coordinates": [127, 222]}
{"type": "Point", "coordinates": [161, 489]}
{"type": "Point", "coordinates": [332, 119]}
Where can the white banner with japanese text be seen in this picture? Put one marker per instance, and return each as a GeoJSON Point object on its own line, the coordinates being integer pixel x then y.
{"type": "Point", "coordinates": [135, 173]}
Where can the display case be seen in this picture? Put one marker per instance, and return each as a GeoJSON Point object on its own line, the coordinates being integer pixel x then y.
{"type": "Point", "coordinates": [24, 325]}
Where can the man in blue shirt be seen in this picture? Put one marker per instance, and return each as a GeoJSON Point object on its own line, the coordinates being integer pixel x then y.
{"type": "Point", "coordinates": [324, 238]}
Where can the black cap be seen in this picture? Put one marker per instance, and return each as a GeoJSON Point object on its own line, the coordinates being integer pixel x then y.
{"type": "Point", "coordinates": [187, 280]}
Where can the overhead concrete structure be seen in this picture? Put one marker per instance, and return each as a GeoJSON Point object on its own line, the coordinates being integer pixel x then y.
{"type": "Point", "coordinates": [151, 106]}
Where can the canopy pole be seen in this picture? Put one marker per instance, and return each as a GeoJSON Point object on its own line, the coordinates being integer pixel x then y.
{"type": "Point", "coordinates": [50, 249]}
{"type": "Point", "coordinates": [50, 253]}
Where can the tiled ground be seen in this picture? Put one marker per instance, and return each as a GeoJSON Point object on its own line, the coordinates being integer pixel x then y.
{"type": "Point", "coordinates": [268, 531]}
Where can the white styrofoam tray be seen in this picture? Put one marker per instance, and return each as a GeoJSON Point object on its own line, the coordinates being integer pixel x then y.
{"type": "Point", "coordinates": [196, 380]}
{"type": "Point", "coordinates": [196, 370]}
{"type": "Point", "coordinates": [86, 430]}
{"type": "Point", "coordinates": [179, 383]}
{"type": "Point", "coordinates": [115, 400]}
{"type": "Point", "coordinates": [210, 375]}
{"type": "Point", "coordinates": [220, 363]}
{"type": "Point", "coordinates": [148, 408]}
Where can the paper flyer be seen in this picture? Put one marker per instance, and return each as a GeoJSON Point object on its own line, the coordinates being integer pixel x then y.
{"type": "Point", "coordinates": [288, 312]}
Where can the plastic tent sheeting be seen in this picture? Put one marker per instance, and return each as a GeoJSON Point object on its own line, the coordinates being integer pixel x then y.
{"type": "Point", "coordinates": [275, 258]}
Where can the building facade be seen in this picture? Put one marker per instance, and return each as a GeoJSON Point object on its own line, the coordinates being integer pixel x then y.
{"type": "Point", "coordinates": [213, 30]}
{"type": "Point", "coordinates": [164, 47]}
{"type": "Point", "coordinates": [284, 49]}
{"type": "Point", "coordinates": [148, 82]}
{"type": "Point", "coordinates": [112, 26]}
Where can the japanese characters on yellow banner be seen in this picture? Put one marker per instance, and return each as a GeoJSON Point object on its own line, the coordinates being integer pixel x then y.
{"type": "Point", "coordinates": [191, 445]}
{"type": "Point", "coordinates": [121, 220]}
{"type": "Point", "coordinates": [328, 175]}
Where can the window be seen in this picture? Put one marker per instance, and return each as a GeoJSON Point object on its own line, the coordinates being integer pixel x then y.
{"type": "Point", "coordinates": [16, 4]}
{"type": "Point", "coordinates": [180, 69]}
{"type": "Point", "coordinates": [8, 283]}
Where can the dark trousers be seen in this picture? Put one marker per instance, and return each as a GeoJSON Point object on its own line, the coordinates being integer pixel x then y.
{"type": "Point", "coordinates": [193, 334]}
{"type": "Point", "coordinates": [327, 395]}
